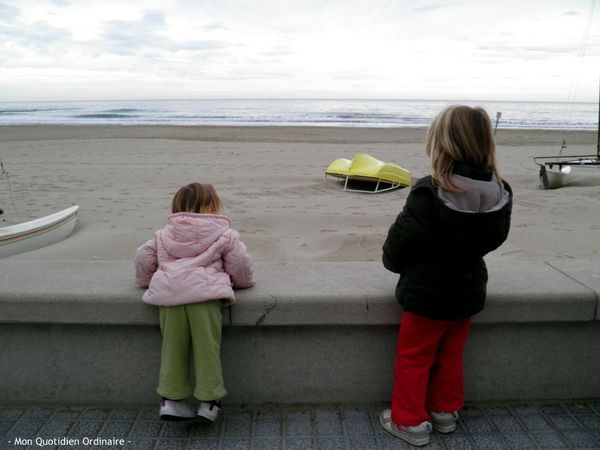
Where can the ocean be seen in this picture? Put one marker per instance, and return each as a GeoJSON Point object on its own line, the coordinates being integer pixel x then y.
{"type": "Point", "coordinates": [262, 112]}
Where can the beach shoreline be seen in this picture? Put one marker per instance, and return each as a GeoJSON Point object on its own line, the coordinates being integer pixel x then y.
{"type": "Point", "coordinates": [272, 182]}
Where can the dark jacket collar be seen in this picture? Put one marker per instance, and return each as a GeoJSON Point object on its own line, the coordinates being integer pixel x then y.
{"type": "Point", "coordinates": [474, 172]}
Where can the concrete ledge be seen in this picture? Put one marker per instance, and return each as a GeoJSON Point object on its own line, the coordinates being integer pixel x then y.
{"type": "Point", "coordinates": [304, 293]}
{"type": "Point", "coordinates": [77, 332]}
{"type": "Point", "coordinates": [587, 273]}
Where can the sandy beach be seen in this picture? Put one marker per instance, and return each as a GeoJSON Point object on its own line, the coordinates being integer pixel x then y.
{"type": "Point", "coordinates": [272, 182]}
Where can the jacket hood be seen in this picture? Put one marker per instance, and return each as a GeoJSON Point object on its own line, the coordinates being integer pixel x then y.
{"type": "Point", "coordinates": [478, 196]}
{"type": "Point", "coordinates": [476, 221]}
{"type": "Point", "coordinates": [190, 234]}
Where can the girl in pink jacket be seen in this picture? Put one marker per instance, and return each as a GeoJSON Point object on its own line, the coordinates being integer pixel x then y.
{"type": "Point", "coordinates": [190, 268]}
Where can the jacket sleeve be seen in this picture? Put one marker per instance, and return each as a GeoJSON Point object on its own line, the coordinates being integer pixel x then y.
{"type": "Point", "coordinates": [146, 263]}
{"type": "Point", "coordinates": [238, 263]}
{"type": "Point", "coordinates": [411, 233]}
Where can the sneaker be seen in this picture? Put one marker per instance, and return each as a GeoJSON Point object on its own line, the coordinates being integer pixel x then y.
{"type": "Point", "coordinates": [209, 410]}
{"type": "Point", "coordinates": [418, 435]}
{"type": "Point", "coordinates": [175, 410]}
{"type": "Point", "coordinates": [444, 422]}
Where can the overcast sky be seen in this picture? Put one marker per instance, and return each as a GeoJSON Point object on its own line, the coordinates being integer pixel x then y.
{"type": "Point", "coordinates": [161, 49]}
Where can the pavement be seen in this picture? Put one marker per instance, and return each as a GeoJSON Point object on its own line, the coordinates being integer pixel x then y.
{"type": "Point", "coordinates": [546, 425]}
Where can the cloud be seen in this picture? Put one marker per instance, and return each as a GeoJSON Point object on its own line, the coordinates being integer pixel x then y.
{"type": "Point", "coordinates": [39, 35]}
{"type": "Point", "coordinates": [213, 27]}
{"type": "Point", "coordinates": [571, 13]}
{"type": "Point", "coordinates": [8, 13]}
{"type": "Point", "coordinates": [125, 37]}
{"type": "Point", "coordinates": [427, 8]}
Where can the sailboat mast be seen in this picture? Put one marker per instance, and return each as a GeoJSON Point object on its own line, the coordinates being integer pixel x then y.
{"type": "Point", "coordinates": [598, 134]}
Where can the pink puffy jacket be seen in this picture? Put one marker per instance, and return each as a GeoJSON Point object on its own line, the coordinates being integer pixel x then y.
{"type": "Point", "coordinates": [195, 258]}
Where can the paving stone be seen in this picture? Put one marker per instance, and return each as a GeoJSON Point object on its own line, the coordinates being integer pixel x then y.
{"type": "Point", "coordinates": [327, 415]}
{"type": "Point", "coordinates": [564, 422]}
{"type": "Point", "coordinates": [37, 413]}
{"type": "Point", "coordinates": [477, 424]}
{"type": "Point", "coordinates": [518, 440]}
{"type": "Point", "coordinates": [548, 439]}
{"type": "Point", "coordinates": [176, 430]}
{"type": "Point", "coordinates": [236, 444]}
{"type": "Point", "coordinates": [141, 444]}
{"type": "Point", "coordinates": [146, 429]}
{"type": "Point", "coordinates": [56, 428]}
{"type": "Point", "coordinates": [456, 441]}
{"type": "Point", "coordinates": [298, 429]}
{"type": "Point", "coordinates": [11, 413]}
{"type": "Point", "coordinates": [579, 439]}
{"type": "Point", "coordinates": [362, 443]}
{"type": "Point", "coordinates": [591, 422]}
{"type": "Point", "coordinates": [71, 413]}
{"type": "Point", "coordinates": [356, 414]}
{"type": "Point", "coordinates": [172, 444]}
{"type": "Point", "coordinates": [26, 428]}
{"type": "Point", "coordinates": [358, 426]}
{"type": "Point", "coordinates": [522, 426]}
{"type": "Point", "coordinates": [552, 409]}
{"type": "Point", "coordinates": [268, 428]}
{"type": "Point", "coordinates": [497, 411]}
{"type": "Point", "coordinates": [95, 413]}
{"type": "Point", "coordinates": [580, 408]}
{"type": "Point", "coordinates": [6, 425]}
{"type": "Point", "coordinates": [207, 429]}
{"type": "Point", "coordinates": [204, 444]}
{"type": "Point", "coordinates": [595, 435]}
{"type": "Point", "coordinates": [328, 427]}
{"type": "Point", "coordinates": [117, 429]}
{"type": "Point", "coordinates": [332, 443]}
{"type": "Point", "coordinates": [489, 441]}
{"type": "Point", "coordinates": [506, 423]}
{"type": "Point", "coordinates": [267, 443]}
{"type": "Point", "coordinates": [238, 425]}
{"type": "Point", "coordinates": [523, 410]}
{"type": "Point", "coordinates": [396, 444]}
{"type": "Point", "coordinates": [126, 414]}
{"type": "Point", "coordinates": [148, 414]}
{"type": "Point", "coordinates": [535, 422]}
{"type": "Point", "coordinates": [298, 443]}
{"type": "Point", "coordinates": [86, 428]}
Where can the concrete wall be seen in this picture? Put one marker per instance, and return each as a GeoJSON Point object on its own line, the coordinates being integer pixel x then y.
{"type": "Point", "coordinates": [76, 332]}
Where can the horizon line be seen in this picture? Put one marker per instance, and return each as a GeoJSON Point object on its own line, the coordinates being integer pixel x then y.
{"type": "Point", "coordinates": [294, 99]}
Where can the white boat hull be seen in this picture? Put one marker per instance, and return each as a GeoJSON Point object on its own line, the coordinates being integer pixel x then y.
{"type": "Point", "coordinates": [552, 178]}
{"type": "Point", "coordinates": [37, 233]}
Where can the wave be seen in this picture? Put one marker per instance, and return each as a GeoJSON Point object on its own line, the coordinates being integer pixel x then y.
{"type": "Point", "coordinates": [104, 116]}
{"type": "Point", "coordinates": [33, 110]}
{"type": "Point", "coordinates": [122, 110]}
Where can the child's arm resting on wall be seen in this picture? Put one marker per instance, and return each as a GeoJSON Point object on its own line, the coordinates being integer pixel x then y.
{"type": "Point", "coordinates": [238, 263]}
{"type": "Point", "coordinates": [146, 263]}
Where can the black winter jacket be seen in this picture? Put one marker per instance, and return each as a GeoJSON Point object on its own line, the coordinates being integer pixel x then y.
{"type": "Point", "coordinates": [438, 250]}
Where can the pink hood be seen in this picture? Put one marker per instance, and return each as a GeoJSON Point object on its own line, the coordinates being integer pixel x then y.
{"type": "Point", "coordinates": [195, 258]}
{"type": "Point", "coordinates": [188, 234]}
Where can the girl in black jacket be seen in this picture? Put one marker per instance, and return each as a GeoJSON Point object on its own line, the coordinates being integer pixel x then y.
{"type": "Point", "coordinates": [451, 219]}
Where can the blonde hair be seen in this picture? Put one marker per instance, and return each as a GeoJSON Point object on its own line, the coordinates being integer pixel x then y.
{"type": "Point", "coordinates": [460, 134]}
{"type": "Point", "coordinates": [197, 198]}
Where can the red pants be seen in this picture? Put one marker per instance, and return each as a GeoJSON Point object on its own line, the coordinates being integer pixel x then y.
{"type": "Point", "coordinates": [429, 368]}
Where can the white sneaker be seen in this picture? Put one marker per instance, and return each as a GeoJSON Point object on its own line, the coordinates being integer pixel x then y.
{"type": "Point", "coordinates": [444, 422]}
{"type": "Point", "coordinates": [418, 435]}
{"type": "Point", "coordinates": [209, 410]}
{"type": "Point", "coordinates": [175, 410]}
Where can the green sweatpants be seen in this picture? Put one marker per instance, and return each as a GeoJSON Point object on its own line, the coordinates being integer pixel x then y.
{"type": "Point", "coordinates": [198, 324]}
